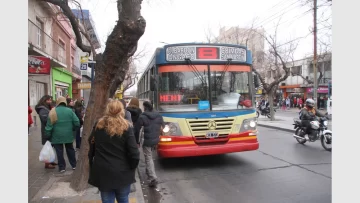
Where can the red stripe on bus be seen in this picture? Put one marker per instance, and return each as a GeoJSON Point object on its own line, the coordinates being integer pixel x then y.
{"type": "Point", "coordinates": [186, 68]}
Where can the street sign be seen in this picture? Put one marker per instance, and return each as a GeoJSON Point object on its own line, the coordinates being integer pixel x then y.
{"type": "Point", "coordinates": [84, 59]}
{"type": "Point", "coordinates": [83, 66]}
{"type": "Point", "coordinates": [84, 85]}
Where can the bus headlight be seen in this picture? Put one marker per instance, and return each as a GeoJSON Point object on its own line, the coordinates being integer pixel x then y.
{"type": "Point", "coordinates": [166, 129]}
{"type": "Point", "coordinates": [248, 124]}
{"type": "Point", "coordinates": [172, 129]}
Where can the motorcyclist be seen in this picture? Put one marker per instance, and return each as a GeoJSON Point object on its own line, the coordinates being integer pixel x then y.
{"type": "Point", "coordinates": [308, 114]}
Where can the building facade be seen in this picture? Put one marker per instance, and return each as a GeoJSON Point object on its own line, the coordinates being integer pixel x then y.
{"type": "Point", "coordinates": [301, 80]}
{"type": "Point", "coordinates": [44, 52]}
{"type": "Point", "coordinates": [86, 76]}
{"type": "Point", "coordinates": [53, 57]}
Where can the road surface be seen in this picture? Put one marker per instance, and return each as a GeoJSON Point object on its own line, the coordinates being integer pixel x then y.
{"type": "Point", "coordinates": [281, 171]}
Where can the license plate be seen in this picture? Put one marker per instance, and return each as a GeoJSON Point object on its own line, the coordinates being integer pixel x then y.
{"type": "Point", "coordinates": [212, 134]}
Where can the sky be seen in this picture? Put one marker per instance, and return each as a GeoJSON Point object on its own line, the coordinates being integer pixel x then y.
{"type": "Point", "coordinates": [177, 21]}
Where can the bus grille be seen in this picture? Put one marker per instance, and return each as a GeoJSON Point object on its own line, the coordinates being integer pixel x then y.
{"type": "Point", "coordinates": [199, 127]}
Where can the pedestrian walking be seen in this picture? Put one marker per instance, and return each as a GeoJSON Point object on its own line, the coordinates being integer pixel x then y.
{"type": "Point", "coordinates": [112, 167]}
{"type": "Point", "coordinates": [300, 103]}
{"type": "Point", "coordinates": [70, 104]}
{"type": "Point", "coordinates": [152, 122]}
{"type": "Point", "coordinates": [30, 120]}
{"type": "Point", "coordinates": [78, 107]}
{"type": "Point", "coordinates": [127, 113]}
{"type": "Point", "coordinates": [59, 129]}
{"type": "Point", "coordinates": [42, 109]}
{"type": "Point", "coordinates": [287, 102]}
{"type": "Point", "coordinates": [134, 109]}
{"type": "Point", "coordinates": [283, 104]}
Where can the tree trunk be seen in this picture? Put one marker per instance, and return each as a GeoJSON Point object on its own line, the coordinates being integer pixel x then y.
{"type": "Point", "coordinates": [271, 103]}
{"type": "Point", "coordinates": [110, 72]}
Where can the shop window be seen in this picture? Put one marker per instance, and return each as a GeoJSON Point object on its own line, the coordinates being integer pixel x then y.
{"type": "Point", "coordinates": [296, 70]}
{"type": "Point", "coordinates": [39, 33]}
{"type": "Point", "coordinates": [61, 51]}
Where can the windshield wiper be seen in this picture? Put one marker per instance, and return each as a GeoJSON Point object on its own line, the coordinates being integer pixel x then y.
{"type": "Point", "coordinates": [195, 71]}
{"type": "Point", "coordinates": [220, 80]}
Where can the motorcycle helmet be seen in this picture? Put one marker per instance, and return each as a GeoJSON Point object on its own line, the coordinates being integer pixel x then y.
{"type": "Point", "coordinates": [310, 103]}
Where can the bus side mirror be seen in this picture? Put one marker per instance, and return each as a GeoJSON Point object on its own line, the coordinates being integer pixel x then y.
{"type": "Point", "coordinates": [153, 82]}
{"type": "Point", "coordinates": [256, 81]}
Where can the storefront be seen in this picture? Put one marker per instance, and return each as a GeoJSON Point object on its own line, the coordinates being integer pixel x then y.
{"type": "Point", "coordinates": [322, 92]}
{"type": "Point", "coordinates": [293, 91]}
{"type": "Point", "coordinates": [38, 78]}
{"type": "Point", "coordinates": [61, 83]}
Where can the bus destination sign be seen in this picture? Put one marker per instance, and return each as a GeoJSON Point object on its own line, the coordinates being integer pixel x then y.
{"type": "Point", "coordinates": [205, 53]}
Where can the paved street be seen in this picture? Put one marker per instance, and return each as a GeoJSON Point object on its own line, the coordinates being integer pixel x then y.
{"type": "Point", "coordinates": [281, 171]}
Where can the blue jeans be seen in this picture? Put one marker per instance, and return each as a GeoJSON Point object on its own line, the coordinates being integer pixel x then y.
{"type": "Point", "coordinates": [121, 195]}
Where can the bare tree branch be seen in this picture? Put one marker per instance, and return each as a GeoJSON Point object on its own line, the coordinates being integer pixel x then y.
{"type": "Point", "coordinates": [74, 23]}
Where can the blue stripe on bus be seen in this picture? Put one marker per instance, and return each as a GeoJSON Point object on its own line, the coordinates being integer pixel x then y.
{"type": "Point", "coordinates": [213, 114]}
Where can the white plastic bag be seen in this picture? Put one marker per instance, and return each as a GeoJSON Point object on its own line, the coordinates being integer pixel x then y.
{"type": "Point", "coordinates": [47, 154]}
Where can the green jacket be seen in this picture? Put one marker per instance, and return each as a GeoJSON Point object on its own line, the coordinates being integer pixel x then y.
{"type": "Point", "coordinates": [61, 131]}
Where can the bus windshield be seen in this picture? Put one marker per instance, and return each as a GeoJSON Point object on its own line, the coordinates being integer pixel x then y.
{"type": "Point", "coordinates": [181, 89]}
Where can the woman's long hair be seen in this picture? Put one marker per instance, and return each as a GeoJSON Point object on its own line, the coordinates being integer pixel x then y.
{"type": "Point", "coordinates": [134, 103]}
{"type": "Point", "coordinates": [113, 121]}
{"type": "Point", "coordinates": [42, 101]}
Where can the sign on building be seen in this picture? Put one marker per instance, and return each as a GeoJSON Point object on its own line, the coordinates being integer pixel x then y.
{"type": "Point", "coordinates": [38, 65]}
{"type": "Point", "coordinates": [84, 59]}
{"type": "Point", "coordinates": [83, 66]}
{"type": "Point", "coordinates": [84, 85]}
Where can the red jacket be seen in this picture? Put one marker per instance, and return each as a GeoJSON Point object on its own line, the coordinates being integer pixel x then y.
{"type": "Point", "coordinates": [29, 116]}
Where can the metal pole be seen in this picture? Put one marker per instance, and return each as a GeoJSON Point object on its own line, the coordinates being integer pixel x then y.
{"type": "Point", "coordinates": [92, 73]}
{"type": "Point", "coordinates": [315, 55]}
{"type": "Point", "coordinates": [209, 80]}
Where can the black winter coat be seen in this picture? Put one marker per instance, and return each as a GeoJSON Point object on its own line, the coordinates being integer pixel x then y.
{"type": "Point", "coordinates": [78, 112]}
{"type": "Point", "coordinates": [135, 113]}
{"type": "Point", "coordinates": [43, 112]}
{"type": "Point", "coordinates": [113, 160]}
{"type": "Point", "coordinates": [152, 122]}
{"type": "Point", "coordinates": [307, 115]}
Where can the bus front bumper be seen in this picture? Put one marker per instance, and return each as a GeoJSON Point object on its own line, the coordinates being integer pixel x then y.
{"type": "Point", "coordinates": [190, 148]}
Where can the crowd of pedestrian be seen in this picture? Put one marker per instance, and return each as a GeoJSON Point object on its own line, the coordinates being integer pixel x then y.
{"type": "Point", "coordinates": [114, 141]}
{"type": "Point", "coordinates": [291, 102]}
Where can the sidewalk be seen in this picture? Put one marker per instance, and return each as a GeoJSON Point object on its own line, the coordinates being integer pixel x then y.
{"type": "Point", "coordinates": [48, 185]}
{"type": "Point", "coordinates": [298, 110]}
{"type": "Point", "coordinates": [281, 123]}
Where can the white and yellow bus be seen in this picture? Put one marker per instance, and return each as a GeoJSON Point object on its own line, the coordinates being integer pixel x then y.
{"type": "Point", "coordinates": [205, 93]}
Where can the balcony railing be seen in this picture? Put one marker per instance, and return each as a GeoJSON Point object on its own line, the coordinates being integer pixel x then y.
{"type": "Point", "coordinates": [39, 39]}
{"type": "Point", "coordinates": [76, 70]}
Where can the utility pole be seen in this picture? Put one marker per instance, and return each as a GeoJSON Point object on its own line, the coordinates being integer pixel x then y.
{"type": "Point", "coordinates": [315, 55]}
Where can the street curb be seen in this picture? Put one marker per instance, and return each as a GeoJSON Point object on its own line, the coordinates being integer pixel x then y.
{"type": "Point", "coordinates": [138, 193]}
{"type": "Point", "coordinates": [276, 128]}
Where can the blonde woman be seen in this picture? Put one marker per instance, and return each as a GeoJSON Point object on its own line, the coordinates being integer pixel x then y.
{"type": "Point", "coordinates": [114, 155]}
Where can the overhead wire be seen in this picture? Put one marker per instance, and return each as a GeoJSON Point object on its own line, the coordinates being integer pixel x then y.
{"type": "Point", "coordinates": [277, 14]}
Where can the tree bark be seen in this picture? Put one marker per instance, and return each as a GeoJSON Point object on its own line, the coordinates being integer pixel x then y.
{"type": "Point", "coordinates": [110, 72]}
{"type": "Point", "coordinates": [271, 103]}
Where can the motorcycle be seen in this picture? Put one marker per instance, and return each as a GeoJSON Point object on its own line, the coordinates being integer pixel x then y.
{"type": "Point", "coordinates": [264, 110]}
{"type": "Point", "coordinates": [318, 125]}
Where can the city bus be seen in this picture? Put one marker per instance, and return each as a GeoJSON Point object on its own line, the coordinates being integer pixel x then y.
{"type": "Point", "coordinates": [205, 93]}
